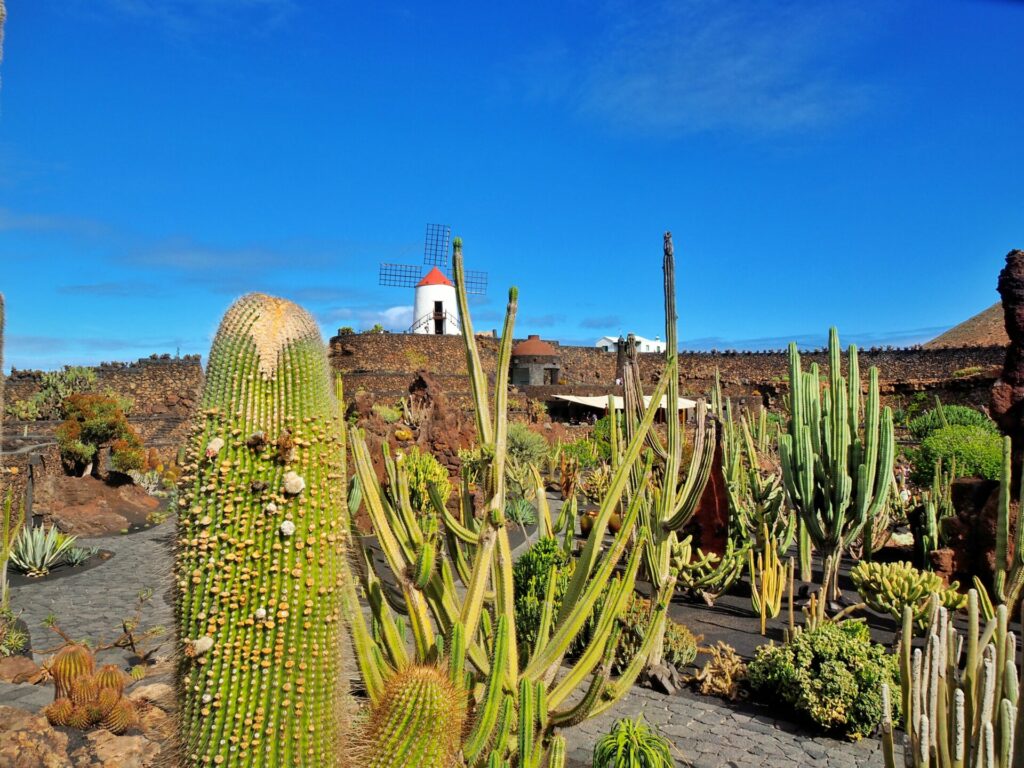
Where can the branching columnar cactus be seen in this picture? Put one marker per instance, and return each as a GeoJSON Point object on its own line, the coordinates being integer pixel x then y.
{"type": "Point", "coordinates": [262, 537]}
{"type": "Point", "coordinates": [676, 498]}
{"type": "Point", "coordinates": [459, 602]}
{"type": "Point", "coordinates": [756, 496]}
{"type": "Point", "coordinates": [961, 718]}
{"type": "Point", "coordinates": [836, 466]}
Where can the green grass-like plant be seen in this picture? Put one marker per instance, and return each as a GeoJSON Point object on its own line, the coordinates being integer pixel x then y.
{"type": "Point", "coordinates": [632, 744]}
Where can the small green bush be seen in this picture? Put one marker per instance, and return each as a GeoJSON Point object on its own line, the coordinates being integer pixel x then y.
{"type": "Point", "coordinates": [956, 416]}
{"type": "Point", "coordinates": [526, 446]}
{"type": "Point", "coordinates": [92, 420]}
{"type": "Point", "coordinates": [680, 643]}
{"type": "Point", "coordinates": [602, 435]}
{"type": "Point", "coordinates": [388, 413]}
{"type": "Point", "coordinates": [977, 451]}
{"type": "Point", "coordinates": [423, 470]}
{"type": "Point", "coordinates": [530, 575]}
{"type": "Point", "coordinates": [585, 452]}
{"type": "Point", "coordinates": [632, 744]}
{"type": "Point", "coordinates": [833, 674]}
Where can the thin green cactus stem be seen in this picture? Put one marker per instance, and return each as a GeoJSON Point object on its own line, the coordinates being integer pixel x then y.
{"type": "Point", "coordinates": [262, 535]}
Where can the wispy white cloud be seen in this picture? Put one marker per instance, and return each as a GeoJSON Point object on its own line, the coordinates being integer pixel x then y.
{"type": "Point", "coordinates": [397, 318]}
{"type": "Point", "coordinates": [187, 16]}
{"type": "Point", "coordinates": [668, 67]}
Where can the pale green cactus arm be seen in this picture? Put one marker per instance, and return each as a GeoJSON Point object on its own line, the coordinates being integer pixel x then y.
{"type": "Point", "coordinates": [478, 380]}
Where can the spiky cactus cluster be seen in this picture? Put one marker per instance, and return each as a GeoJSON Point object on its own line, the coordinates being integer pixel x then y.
{"type": "Point", "coordinates": [959, 714]}
{"type": "Point", "coordinates": [262, 534]}
{"type": "Point", "coordinates": [891, 587]}
{"type": "Point", "coordinates": [84, 698]}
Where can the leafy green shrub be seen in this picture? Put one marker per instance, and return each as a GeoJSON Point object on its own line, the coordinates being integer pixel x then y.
{"type": "Point", "coordinates": [526, 446]}
{"type": "Point", "coordinates": [977, 451]}
{"type": "Point", "coordinates": [680, 643]}
{"type": "Point", "coordinates": [602, 435]}
{"type": "Point", "coordinates": [833, 674]}
{"type": "Point", "coordinates": [956, 416]}
{"type": "Point", "coordinates": [632, 744]}
{"type": "Point", "coordinates": [530, 574]}
{"type": "Point", "coordinates": [388, 413]}
{"type": "Point", "coordinates": [92, 420]}
{"type": "Point", "coordinates": [585, 452]}
{"type": "Point", "coordinates": [423, 470]}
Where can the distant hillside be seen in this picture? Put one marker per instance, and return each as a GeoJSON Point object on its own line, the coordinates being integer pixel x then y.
{"type": "Point", "coordinates": [983, 330]}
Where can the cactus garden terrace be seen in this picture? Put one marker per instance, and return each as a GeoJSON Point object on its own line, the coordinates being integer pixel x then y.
{"type": "Point", "coordinates": [405, 581]}
{"type": "Point", "coordinates": [549, 488]}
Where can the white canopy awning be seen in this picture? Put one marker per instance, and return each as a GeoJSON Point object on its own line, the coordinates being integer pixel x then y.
{"type": "Point", "coordinates": [598, 401]}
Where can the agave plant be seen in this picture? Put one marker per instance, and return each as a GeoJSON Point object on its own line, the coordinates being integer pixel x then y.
{"type": "Point", "coordinates": [37, 550]}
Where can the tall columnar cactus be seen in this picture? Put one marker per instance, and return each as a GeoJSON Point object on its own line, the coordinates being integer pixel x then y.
{"type": "Point", "coordinates": [459, 602]}
{"type": "Point", "coordinates": [676, 497]}
{"type": "Point", "coordinates": [262, 536]}
{"type": "Point", "coordinates": [757, 501]}
{"type": "Point", "coordinates": [1009, 576]}
{"type": "Point", "coordinates": [959, 717]}
{"type": "Point", "coordinates": [836, 465]}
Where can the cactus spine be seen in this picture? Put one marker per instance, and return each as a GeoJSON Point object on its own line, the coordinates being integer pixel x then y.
{"type": "Point", "coordinates": [836, 466]}
{"type": "Point", "coordinates": [956, 717]}
{"type": "Point", "coordinates": [262, 534]}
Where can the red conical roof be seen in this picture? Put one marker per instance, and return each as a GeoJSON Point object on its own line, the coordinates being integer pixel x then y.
{"type": "Point", "coordinates": [434, 277]}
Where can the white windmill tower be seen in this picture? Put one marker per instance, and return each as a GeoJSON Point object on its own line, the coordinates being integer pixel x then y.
{"type": "Point", "coordinates": [435, 309]}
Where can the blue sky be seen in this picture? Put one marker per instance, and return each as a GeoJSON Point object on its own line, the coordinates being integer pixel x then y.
{"type": "Point", "coordinates": [855, 163]}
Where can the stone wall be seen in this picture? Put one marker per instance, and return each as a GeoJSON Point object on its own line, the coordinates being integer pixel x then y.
{"type": "Point", "coordinates": [158, 386]}
{"type": "Point", "coordinates": [385, 363]}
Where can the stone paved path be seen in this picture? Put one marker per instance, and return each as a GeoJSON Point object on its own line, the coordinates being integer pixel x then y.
{"type": "Point", "coordinates": [707, 733]}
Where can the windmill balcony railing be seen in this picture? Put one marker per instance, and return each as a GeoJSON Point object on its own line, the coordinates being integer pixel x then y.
{"type": "Point", "coordinates": [430, 317]}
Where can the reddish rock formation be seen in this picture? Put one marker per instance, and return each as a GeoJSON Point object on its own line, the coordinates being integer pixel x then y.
{"type": "Point", "coordinates": [710, 523]}
{"type": "Point", "coordinates": [1008, 391]}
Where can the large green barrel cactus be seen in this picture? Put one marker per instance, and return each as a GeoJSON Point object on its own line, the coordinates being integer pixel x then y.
{"type": "Point", "coordinates": [419, 720]}
{"type": "Point", "coordinates": [262, 533]}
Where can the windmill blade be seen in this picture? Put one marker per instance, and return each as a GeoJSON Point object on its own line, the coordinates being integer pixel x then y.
{"type": "Point", "coordinates": [400, 275]}
{"type": "Point", "coordinates": [476, 282]}
{"type": "Point", "coordinates": [436, 245]}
